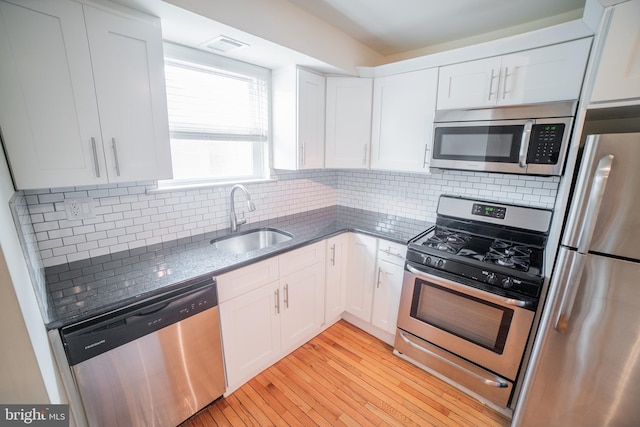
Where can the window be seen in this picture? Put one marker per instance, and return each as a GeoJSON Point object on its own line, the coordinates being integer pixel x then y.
{"type": "Point", "coordinates": [218, 117]}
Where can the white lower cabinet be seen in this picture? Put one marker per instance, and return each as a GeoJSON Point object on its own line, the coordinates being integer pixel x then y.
{"type": "Point", "coordinates": [374, 281]}
{"type": "Point", "coordinates": [301, 306]}
{"type": "Point", "coordinates": [270, 318]}
{"type": "Point", "coordinates": [250, 334]}
{"type": "Point", "coordinates": [270, 308]}
{"type": "Point", "coordinates": [336, 277]}
{"type": "Point", "coordinates": [360, 275]}
{"type": "Point", "coordinates": [386, 295]}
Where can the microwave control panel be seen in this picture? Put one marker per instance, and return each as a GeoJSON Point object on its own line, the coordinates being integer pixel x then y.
{"type": "Point", "coordinates": [544, 146]}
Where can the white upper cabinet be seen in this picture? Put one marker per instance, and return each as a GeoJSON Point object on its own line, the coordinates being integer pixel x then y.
{"type": "Point", "coordinates": [71, 87]}
{"type": "Point", "coordinates": [469, 84]}
{"type": "Point", "coordinates": [551, 73]}
{"type": "Point", "coordinates": [348, 128]}
{"type": "Point", "coordinates": [403, 107]}
{"type": "Point", "coordinates": [618, 73]}
{"type": "Point", "coordinates": [128, 71]}
{"type": "Point", "coordinates": [298, 119]}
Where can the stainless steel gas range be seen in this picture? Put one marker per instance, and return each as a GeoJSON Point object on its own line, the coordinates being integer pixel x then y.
{"type": "Point", "coordinates": [471, 287]}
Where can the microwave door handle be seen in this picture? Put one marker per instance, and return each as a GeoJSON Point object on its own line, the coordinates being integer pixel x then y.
{"type": "Point", "coordinates": [524, 144]}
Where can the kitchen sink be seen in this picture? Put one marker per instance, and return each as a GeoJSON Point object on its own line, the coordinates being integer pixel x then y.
{"type": "Point", "coordinates": [251, 240]}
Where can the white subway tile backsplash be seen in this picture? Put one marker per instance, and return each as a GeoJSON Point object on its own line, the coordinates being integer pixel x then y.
{"type": "Point", "coordinates": [128, 218]}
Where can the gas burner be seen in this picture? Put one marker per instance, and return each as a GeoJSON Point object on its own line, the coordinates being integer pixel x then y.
{"type": "Point", "coordinates": [447, 241]}
{"type": "Point", "coordinates": [510, 255]}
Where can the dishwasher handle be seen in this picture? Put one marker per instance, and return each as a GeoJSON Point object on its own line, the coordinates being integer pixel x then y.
{"type": "Point", "coordinates": [100, 334]}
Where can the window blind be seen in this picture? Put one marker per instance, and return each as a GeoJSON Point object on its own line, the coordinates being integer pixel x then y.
{"type": "Point", "coordinates": [211, 103]}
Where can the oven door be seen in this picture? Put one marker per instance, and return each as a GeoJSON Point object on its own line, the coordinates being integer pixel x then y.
{"type": "Point", "coordinates": [486, 329]}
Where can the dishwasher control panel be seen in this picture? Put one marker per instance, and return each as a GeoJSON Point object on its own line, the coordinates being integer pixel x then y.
{"type": "Point", "coordinates": [110, 330]}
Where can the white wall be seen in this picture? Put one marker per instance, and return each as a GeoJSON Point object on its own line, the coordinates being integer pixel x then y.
{"type": "Point", "coordinates": [28, 368]}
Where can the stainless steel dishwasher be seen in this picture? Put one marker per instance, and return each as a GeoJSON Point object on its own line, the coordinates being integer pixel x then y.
{"type": "Point", "coordinates": [153, 363]}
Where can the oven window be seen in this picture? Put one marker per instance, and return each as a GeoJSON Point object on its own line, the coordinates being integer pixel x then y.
{"type": "Point", "coordinates": [473, 319]}
{"type": "Point", "coordinates": [478, 143]}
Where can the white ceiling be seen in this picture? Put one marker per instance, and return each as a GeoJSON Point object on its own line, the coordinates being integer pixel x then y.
{"type": "Point", "coordinates": [389, 30]}
{"type": "Point", "coordinates": [394, 26]}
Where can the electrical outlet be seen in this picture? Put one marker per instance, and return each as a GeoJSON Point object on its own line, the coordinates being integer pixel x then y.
{"type": "Point", "coordinates": [79, 208]}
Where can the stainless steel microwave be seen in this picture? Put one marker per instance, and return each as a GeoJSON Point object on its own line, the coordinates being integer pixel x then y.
{"type": "Point", "coordinates": [528, 139]}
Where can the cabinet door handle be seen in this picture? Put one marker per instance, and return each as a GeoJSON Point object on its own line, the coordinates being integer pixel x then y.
{"type": "Point", "coordinates": [504, 83]}
{"type": "Point", "coordinates": [286, 296]}
{"type": "Point", "coordinates": [364, 159]}
{"type": "Point", "coordinates": [95, 156]}
{"type": "Point", "coordinates": [333, 254]}
{"type": "Point", "coordinates": [391, 253]}
{"type": "Point", "coordinates": [277, 298]}
{"type": "Point", "coordinates": [425, 161]}
{"type": "Point", "coordinates": [115, 155]}
{"type": "Point", "coordinates": [492, 78]}
{"type": "Point", "coordinates": [302, 154]}
{"type": "Point", "coordinates": [379, 273]}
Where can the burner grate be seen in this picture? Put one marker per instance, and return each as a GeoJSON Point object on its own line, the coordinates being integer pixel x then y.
{"type": "Point", "coordinates": [447, 241]}
{"type": "Point", "coordinates": [508, 254]}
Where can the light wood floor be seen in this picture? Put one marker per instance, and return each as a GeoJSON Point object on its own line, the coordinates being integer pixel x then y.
{"type": "Point", "coordinates": [345, 377]}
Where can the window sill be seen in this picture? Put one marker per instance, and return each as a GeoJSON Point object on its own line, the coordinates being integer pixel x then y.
{"type": "Point", "coordinates": [201, 186]}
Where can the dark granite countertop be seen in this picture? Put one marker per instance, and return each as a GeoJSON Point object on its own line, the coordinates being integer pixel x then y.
{"type": "Point", "coordinates": [86, 288]}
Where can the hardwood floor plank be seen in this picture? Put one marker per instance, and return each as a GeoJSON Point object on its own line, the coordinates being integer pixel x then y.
{"type": "Point", "coordinates": [345, 377]}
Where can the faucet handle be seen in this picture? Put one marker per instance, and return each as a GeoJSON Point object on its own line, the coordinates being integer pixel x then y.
{"type": "Point", "coordinates": [242, 219]}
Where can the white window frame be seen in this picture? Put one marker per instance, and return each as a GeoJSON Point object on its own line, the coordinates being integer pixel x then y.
{"type": "Point", "coordinates": [261, 149]}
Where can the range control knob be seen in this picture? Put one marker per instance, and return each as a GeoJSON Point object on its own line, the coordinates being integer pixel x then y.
{"type": "Point", "coordinates": [507, 282]}
{"type": "Point", "coordinates": [428, 260]}
{"type": "Point", "coordinates": [440, 263]}
{"type": "Point", "coordinates": [491, 279]}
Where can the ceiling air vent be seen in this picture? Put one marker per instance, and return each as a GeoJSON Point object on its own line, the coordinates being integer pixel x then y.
{"type": "Point", "coordinates": [224, 44]}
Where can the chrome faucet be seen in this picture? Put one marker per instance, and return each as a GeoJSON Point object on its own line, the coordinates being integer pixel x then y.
{"type": "Point", "coordinates": [234, 221]}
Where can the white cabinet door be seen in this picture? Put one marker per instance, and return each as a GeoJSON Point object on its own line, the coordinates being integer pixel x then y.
{"type": "Point", "coordinates": [552, 73]}
{"type": "Point", "coordinates": [360, 275]}
{"type": "Point", "coordinates": [469, 84]}
{"type": "Point", "coordinates": [301, 306]}
{"type": "Point", "coordinates": [311, 115]}
{"type": "Point", "coordinates": [618, 73]}
{"type": "Point", "coordinates": [336, 276]}
{"type": "Point", "coordinates": [348, 130]}
{"type": "Point", "coordinates": [250, 327]}
{"type": "Point", "coordinates": [403, 121]}
{"type": "Point", "coordinates": [386, 298]}
{"type": "Point", "coordinates": [128, 70]}
{"type": "Point", "coordinates": [298, 119]}
{"type": "Point", "coordinates": [48, 111]}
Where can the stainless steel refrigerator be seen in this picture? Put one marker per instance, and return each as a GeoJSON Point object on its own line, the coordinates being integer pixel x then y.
{"type": "Point", "coordinates": [585, 363]}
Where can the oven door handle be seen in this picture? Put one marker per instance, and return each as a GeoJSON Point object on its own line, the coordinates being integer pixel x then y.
{"type": "Point", "coordinates": [493, 382]}
{"type": "Point", "coordinates": [508, 301]}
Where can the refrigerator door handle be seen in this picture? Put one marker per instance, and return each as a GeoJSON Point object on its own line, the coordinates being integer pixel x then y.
{"type": "Point", "coordinates": [569, 277]}
{"type": "Point", "coordinates": [600, 178]}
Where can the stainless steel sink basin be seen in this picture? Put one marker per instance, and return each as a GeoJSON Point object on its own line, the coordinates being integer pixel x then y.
{"type": "Point", "coordinates": [251, 240]}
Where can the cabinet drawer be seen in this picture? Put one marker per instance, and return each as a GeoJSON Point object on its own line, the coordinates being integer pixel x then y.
{"type": "Point", "coordinates": [392, 252]}
{"type": "Point", "coordinates": [246, 279]}
{"type": "Point", "coordinates": [301, 258]}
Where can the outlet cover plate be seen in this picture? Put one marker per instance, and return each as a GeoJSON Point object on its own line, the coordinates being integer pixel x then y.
{"type": "Point", "coordinates": [79, 208]}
